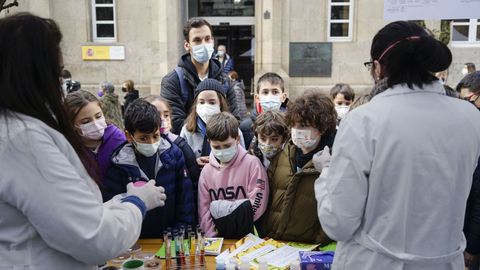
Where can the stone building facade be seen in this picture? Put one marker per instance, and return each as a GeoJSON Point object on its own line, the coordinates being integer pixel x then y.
{"type": "Point", "coordinates": [150, 34]}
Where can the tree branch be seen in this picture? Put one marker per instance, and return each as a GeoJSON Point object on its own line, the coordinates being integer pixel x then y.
{"type": "Point", "coordinates": [3, 6]}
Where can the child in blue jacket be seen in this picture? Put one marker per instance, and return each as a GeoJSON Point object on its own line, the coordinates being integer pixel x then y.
{"type": "Point", "coordinates": [148, 155]}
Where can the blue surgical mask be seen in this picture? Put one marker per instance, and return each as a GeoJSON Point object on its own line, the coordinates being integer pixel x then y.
{"type": "Point", "coordinates": [225, 155]}
{"type": "Point", "coordinates": [147, 149]}
{"type": "Point", "coordinates": [270, 103]}
{"type": "Point", "coordinates": [202, 53]}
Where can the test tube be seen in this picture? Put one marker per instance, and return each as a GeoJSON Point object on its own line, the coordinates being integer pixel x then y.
{"type": "Point", "coordinates": [168, 248]}
{"type": "Point", "coordinates": [192, 247]}
{"type": "Point", "coordinates": [180, 247]}
{"type": "Point", "coordinates": [202, 248]}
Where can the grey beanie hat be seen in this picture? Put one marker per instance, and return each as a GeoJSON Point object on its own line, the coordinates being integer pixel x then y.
{"type": "Point", "coordinates": [210, 84]}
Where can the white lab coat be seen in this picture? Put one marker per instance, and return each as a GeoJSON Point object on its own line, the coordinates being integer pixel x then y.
{"type": "Point", "coordinates": [51, 212]}
{"type": "Point", "coordinates": [395, 193]}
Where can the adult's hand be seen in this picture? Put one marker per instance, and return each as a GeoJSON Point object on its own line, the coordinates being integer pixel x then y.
{"type": "Point", "coordinates": [150, 194]}
{"type": "Point", "coordinates": [322, 159]}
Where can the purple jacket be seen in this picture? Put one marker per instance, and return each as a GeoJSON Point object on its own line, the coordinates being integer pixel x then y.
{"type": "Point", "coordinates": [112, 138]}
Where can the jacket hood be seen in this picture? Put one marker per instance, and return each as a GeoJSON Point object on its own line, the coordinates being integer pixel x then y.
{"type": "Point", "coordinates": [110, 96]}
{"type": "Point", "coordinates": [112, 132]}
{"type": "Point", "coordinates": [214, 67]}
{"type": "Point", "coordinates": [239, 155]}
{"type": "Point", "coordinates": [133, 94]}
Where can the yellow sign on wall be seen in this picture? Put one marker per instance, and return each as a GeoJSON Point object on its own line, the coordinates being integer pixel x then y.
{"type": "Point", "coordinates": [103, 52]}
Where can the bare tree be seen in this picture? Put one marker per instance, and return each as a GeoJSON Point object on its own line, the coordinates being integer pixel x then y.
{"type": "Point", "coordinates": [9, 5]}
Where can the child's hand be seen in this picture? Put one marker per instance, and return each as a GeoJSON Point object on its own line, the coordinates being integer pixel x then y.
{"type": "Point", "coordinates": [202, 161]}
{"type": "Point", "coordinates": [322, 159]}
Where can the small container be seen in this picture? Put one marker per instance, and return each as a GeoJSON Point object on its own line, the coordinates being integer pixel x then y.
{"type": "Point", "coordinates": [154, 264]}
{"type": "Point", "coordinates": [122, 258]}
{"type": "Point", "coordinates": [133, 265]}
{"type": "Point", "coordinates": [144, 256]}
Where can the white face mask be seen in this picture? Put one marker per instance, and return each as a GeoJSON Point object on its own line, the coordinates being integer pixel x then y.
{"type": "Point", "coordinates": [93, 130]}
{"type": "Point", "coordinates": [225, 155]}
{"type": "Point", "coordinates": [202, 53]}
{"type": "Point", "coordinates": [464, 71]}
{"type": "Point", "coordinates": [303, 138]}
{"type": "Point", "coordinates": [220, 53]}
{"type": "Point", "coordinates": [342, 110]}
{"type": "Point", "coordinates": [268, 150]}
{"type": "Point", "coordinates": [147, 149]}
{"type": "Point", "coordinates": [205, 111]}
{"type": "Point", "coordinates": [270, 103]}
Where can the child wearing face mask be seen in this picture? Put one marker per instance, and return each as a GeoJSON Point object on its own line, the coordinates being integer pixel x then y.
{"type": "Point", "coordinates": [270, 96]}
{"type": "Point", "coordinates": [100, 138]}
{"type": "Point", "coordinates": [233, 187]}
{"type": "Point", "coordinates": [149, 155]}
{"type": "Point", "coordinates": [343, 96]}
{"type": "Point", "coordinates": [190, 160]}
{"type": "Point", "coordinates": [291, 214]}
{"type": "Point", "coordinates": [210, 99]}
{"type": "Point", "coordinates": [271, 134]}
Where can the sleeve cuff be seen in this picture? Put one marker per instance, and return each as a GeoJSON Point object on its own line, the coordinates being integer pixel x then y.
{"type": "Point", "coordinates": [137, 202]}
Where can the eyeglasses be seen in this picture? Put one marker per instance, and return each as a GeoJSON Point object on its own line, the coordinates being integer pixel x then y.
{"type": "Point", "coordinates": [368, 65]}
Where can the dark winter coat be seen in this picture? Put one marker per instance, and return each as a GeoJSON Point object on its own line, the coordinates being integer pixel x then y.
{"type": "Point", "coordinates": [472, 216]}
{"type": "Point", "coordinates": [171, 174]}
{"type": "Point", "coordinates": [171, 90]}
{"type": "Point", "coordinates": [227, 63]}
{"type": "Point", "coordinates": [129, 98]}
{"type": "Point", "coordinates": [292, 209]}
{"type": "Point", "coordinates": [190, 163]}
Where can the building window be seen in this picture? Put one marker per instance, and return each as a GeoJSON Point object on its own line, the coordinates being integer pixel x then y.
{"type": "Point", "coordinates": [340, 20]}
{"type": "Point", "coordinates": [104, 28]}
{"type": "Point", "coordinates": [466, 31]}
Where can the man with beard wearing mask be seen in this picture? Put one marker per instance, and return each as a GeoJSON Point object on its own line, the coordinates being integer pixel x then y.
{"type": "Point", "coordinates": [193, 67]}
{"type": "Point", "coordinates": [470, 85]}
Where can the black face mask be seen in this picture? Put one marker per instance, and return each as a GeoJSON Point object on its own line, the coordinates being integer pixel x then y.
{"type": "Point", "coordinates": [124, 89]}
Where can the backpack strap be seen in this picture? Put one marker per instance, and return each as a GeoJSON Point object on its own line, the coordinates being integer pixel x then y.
{"type": "Point", "coordinates": [183, 85]}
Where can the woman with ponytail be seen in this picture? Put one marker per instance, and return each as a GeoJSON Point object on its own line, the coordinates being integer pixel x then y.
{"type": "Point", "coordinates": [394, 193]}
{"type": "Point", "coordinates": [52, 215]}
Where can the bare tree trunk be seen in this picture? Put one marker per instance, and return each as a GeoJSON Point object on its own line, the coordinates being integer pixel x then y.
{"type": "Point", "coordinates": [5, 6]}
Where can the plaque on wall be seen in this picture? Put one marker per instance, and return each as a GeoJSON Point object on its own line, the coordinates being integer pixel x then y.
{"type": "Point", "coordinates": [310, 59]}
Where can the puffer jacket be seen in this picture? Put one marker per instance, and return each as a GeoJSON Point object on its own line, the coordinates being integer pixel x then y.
{"type": "Point", "coordinates": [472, 216]}
{"type": "Point", "coordinates": [292, 209]}
{"type": "Point", "coordinates": [111, 109]}
{"type": "Point", "coordinates": [170, 173]}
{"type": "Point", "coordinates": [171, 90]}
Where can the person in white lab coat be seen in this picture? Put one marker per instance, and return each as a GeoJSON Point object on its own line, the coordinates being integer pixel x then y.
{"type": "Point", "coordinates": [394, 194]}
{"type": "Point", "coordinates": [51, 211]}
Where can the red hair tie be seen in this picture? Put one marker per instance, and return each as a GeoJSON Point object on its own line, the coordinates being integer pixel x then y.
{"type": "Point", "coordinates": [395, 44]}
